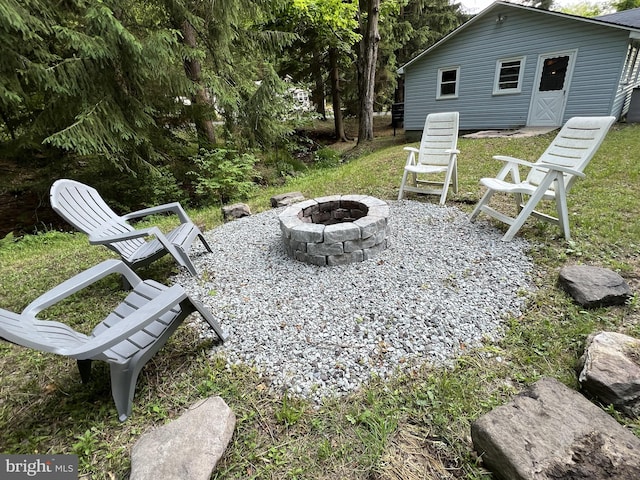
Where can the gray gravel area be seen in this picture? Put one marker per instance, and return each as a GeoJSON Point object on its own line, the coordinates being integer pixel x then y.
{"type": "Point", "coordinates": [444, 284]}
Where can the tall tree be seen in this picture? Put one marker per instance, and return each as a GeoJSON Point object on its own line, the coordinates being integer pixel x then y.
{"type": "Point", "coordinates": [420, 24]}
{"type": "Point", "coordinates": [543, 4]}
{"type": "Point", "coordinates": [326, 34]}
{"type": "Point", "coordinates": [369, 15]}
{"type": "Point", "coordinates": [229, 62]}
{"type": "Point", "coordinates": [23, 60]}
{"type": "Point", "coordinates": [79, 79]}
{"type": "Point", "coordinates": [201, 98]}
{"type": "Point", "coordinates": [336, 95]}
{"type": "Point", "coordinates": [584, 9]}
{"type": "Point", "coordinates": [423, 23]}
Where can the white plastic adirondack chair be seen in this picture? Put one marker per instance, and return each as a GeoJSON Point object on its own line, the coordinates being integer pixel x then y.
{"type": "Point", "coordinates": [550, 178]}
{"type": "Point", "coordinates": [437, 155]}
{"type": "Point", "coordinates": [126, 339]}
{"type": "Point", "coordinates": [84, 208]}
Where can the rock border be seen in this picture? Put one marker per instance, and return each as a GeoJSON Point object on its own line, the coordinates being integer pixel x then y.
{"type": "Point", "coordinates": [338, 243]}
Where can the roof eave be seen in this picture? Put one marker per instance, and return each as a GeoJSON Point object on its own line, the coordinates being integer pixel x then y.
{"type": "Point", "coordinates": [633, 32]}
{"type": "Point", "coordinates": [447, 36]}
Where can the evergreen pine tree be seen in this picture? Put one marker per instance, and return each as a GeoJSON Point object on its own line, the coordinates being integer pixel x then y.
{"type": "Point", "coordinates": [88, 78]}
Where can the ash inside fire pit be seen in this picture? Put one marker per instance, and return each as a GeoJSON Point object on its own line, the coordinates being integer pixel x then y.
{"type": "Point", "coordinates": [334, 211]}
{"type": "Point", "coordinates": [335, 230]}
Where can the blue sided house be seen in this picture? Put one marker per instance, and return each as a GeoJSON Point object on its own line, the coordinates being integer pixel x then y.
{"type": "Point", "coordinates": [512, 66]}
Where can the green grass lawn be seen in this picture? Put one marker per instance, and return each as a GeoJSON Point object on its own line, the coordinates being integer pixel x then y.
{"type": "Point", "coordinates": [417, 422]}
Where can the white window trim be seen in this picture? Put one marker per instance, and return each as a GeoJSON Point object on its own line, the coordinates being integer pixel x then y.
{"type": "Point", "coordinates": [439, 89]}
{"type": "Point", "coordinates": [496, 80]}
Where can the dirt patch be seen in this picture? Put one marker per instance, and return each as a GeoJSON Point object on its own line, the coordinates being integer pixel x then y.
{"type": "Point", "coordinates": [412, 455]}
{"type": "Point", "coordinates": [323, 132]}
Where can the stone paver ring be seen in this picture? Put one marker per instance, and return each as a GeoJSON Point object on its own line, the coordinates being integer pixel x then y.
{"type": "Point", "coordinates": [335, 230]}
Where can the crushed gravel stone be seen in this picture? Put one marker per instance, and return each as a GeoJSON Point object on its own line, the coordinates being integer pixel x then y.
{"type": "Point", "coordinates": [443, 285]}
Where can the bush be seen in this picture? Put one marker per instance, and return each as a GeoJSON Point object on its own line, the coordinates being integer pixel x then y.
{"type": "Point", "coordinates": [326, 158]}
{"type": "Point", "coordinates": [222, 175]}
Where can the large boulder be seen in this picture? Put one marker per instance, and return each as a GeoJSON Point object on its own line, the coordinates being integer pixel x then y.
{"type": "Point", "coordinates": [186, 448]}
{"type": "Point", "coordinates": [552, 432]}
{"type": "Point", "coordinates": [594, 286]}
{"type": "Point", "coordinates": [610, 371]}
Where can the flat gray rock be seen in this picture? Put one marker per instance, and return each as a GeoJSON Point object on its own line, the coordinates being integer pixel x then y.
{"type": "Point", "coordinates": [594, 286]}
{"type": "Point", "coordinates": [610, 371]}
{"type": "Point", "coordinates": [285, 199]}
{"type": "Point", "coordinates": [236, 210]}
{"type": "Point", "coordinates": [552, 432]}
{"type": "Point", "coordinates": [186, 448]}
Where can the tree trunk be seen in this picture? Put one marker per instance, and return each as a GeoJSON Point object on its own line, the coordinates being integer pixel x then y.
{"type": "Point", "coordinates": [318, 90]}
{"type": "Point", "coordinates": [201, 100]}
{"type": "Point", "coordinates": [367, 66]}
{"type": "Point", "coordinates": [335, 95]}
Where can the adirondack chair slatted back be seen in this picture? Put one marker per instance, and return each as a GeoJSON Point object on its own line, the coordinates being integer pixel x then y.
{"type": "Point", "coordinates": [440, 133]}
{"type": "Point", "coordinates": [573, 147]}
{"type": "Point", "coordinates": [84, 208]}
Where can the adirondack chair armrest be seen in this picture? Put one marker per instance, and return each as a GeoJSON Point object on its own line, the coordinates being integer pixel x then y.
{"type": "Point", "coordinates": [100, 239]}
{"type": "Point", "coordinates": [132, 323]}
{"type": "Point", "coordinates": [171, 248]}
{"type": "Point", "coordinates": [511, 166]}
{"type": "Point", "coordinates": [514, 160]}
{"type": "Point", "coordinates": [79, 282]}
{"type": "Point", "coordinates": [174, 207]}
{"type": "Point", "coordinates": [411, 159]}
{"type": "Point", "coordinates": [560, 168]}
{"type": "Point", "coordinates": [452, 151]}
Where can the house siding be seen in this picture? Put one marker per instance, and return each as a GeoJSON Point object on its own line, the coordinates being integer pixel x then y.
{"type": "Point", "coordinates": [600, 56]}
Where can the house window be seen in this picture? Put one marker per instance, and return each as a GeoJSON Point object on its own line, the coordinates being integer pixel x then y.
{"type": "Point", "coordinates": [554, 72]}
{"type": "Point", "coordinates": [448, 82]}
{"type": "Point", "coordinates": [508, 76]}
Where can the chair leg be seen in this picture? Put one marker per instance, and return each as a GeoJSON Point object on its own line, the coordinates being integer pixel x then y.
{"type": "Point", "coordinates": [185, 261]}
{"type": "Point", "coordinates": [123, 387]}
{"type": "Point", "coordinates": [205, 243]}
{"type": "Point", "coordinates": [84, 367]}
{"type": "Point", "coordinates": [404, 181]}
{"type": "Point", "coordinates": [519, 201]}
{"type": "Point", "coordinates": [206, 314]}
{"type": "Point", "coordinates": [126, 286]}
{"type": "Point", "coordinates": [455, 176]}
{"type": "Point", "coordinates": [445, 185]}
{"type": "Point", "coordinates": [483, 201]}
{"type": "Point", "coordinates": [563, 211]}
{"type": "Point", "coordinates": [525, 212]}
{"type": "Point", "coordinates": [443, 195]}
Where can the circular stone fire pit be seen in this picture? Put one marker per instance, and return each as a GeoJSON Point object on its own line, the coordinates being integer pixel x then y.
{"type": "Point", "coordinates": [335, 230]}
